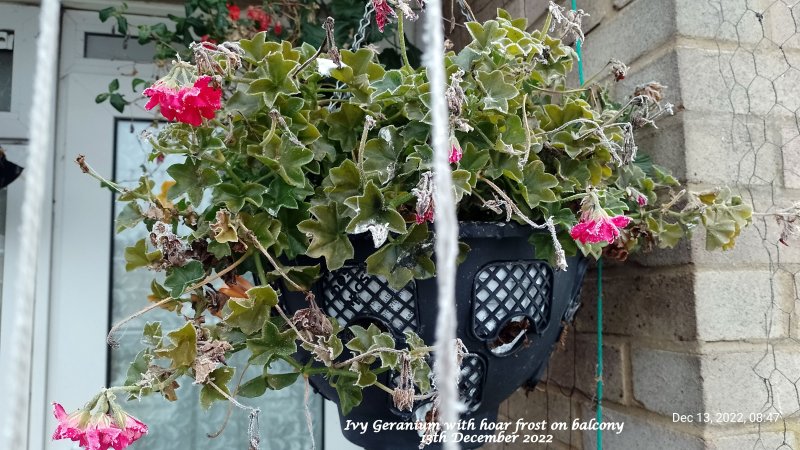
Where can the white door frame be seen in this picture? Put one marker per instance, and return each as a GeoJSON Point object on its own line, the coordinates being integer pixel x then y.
{"type": "Point", "coordinates": [81, 252]}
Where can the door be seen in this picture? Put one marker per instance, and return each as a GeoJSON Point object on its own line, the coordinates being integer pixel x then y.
{"type": "Point", "coordinates": [90, 288]}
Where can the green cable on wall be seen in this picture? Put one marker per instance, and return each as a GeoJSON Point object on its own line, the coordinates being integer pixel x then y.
{"type": "Point", "coordinates": [599, 374]}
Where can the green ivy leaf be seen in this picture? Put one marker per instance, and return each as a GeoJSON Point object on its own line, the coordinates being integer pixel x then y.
{"type": "Point", "coordinates": [235, 196]}
{"type": "Point", "coordinates": [346, 126]}
{"type": "Point", "coordinates": [287, 159]}
{"type": "Point", "coordinates": [381, 155]}
{"type": "Point", "coordinates": [253, 388]}
{"type": "Point", "coordinates": [498, 92]}
{"type": "Point", "coordinates": [274, 79]}
{"type": "Point", "coordinates": [328, 236]}
{"type": "Point", "coordinates": [265, 228]}
{"type": "Point", "coordinates": [406, 258]}
{"type": "Point", "coordinates": [536, 185]}
{"type": "Point", "coordinates": [249, 314]}
{"type": "Point", "coordinates": [372, 214]}
{"type": "Point", "coordinates": [192, 178]}
{"type": "Point", "coordinates": [180, 278]}
{"type": "Point", "coordinates": [221, 377]}
{"type": "Point", "coordinates": [358, 71]}
{"type": "Point", "coordinates": [138, 256]}
{"type": "Point", "coordinates": [183, 350]}
{"type": "Point", "coordinates": [272, 342]}
{"type": "Point", "coordinates": [278, 381]}
{"type": "Point", "coordinates": [130, 216]}
{"type": "Point", "coordinates": [350, 395]}
{"type": "Point", "coordinates": [344, 181]}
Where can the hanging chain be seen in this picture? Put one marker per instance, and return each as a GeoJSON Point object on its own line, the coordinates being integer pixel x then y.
{"type": "Point", "coordinates": [466, 10]}
{"type": "Point", "coordinates": [358, 40]}
{"type": "Point", "coordinates": [361, 33]}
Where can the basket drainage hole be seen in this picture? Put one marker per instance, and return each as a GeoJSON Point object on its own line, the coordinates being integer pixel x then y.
{"type": "Point", "coordinates": [512, 336]}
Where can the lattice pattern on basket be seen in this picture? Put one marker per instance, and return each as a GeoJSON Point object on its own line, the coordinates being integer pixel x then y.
{"type": "Point", "coordinates": [470, 383]}
{"type": "Point", "coordinates": [350, 292]}
{"type": "Point", "coordinates": [509, 289]}
{"type": "Point", "coordinates": [470, 386]}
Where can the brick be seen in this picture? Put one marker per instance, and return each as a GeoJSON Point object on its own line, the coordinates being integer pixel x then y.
{"type": "Point", "coordinates": [740, 304]}
{"type": "Point", "coordinates": [667, 382]}
{"type": "Point", "coordinates": [646, 302]}
{"type": "Point", "coordinates": [762, 440]}
{"type": "Point", "coordinates": [641, 433]}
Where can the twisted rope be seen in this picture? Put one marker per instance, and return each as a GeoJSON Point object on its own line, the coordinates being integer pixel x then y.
{"type": "Point", "coordinates": [446, 367]}
{"type": "Point", "coordinates": [42, 107]}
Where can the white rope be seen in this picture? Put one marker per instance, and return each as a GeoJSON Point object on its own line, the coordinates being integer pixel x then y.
{"type": "Point", "coordinates": [445, 368]}
{"type": "Point", "coordinates": [41, 132]}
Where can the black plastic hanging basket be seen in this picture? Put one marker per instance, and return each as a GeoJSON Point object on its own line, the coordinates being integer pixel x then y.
{"type": "Point", "coordinates": [511, 310]}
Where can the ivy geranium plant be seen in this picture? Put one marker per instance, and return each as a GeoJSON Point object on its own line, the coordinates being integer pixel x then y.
{"type": "Point", "coordinates": [291, 152]}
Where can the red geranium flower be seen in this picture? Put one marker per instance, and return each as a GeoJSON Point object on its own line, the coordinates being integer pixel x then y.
{"type": "Point", "coordinates": [260, 17]}
{"type": "Point", "coordinates": [189, 104]}
{"type": "Point", "coordinates": [234, 12]}
{"type": "Point", "coordinates": [595, 224]}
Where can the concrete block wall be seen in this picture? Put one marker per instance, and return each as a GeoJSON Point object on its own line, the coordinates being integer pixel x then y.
{"type": "Point", "coordinates": [688, 331]}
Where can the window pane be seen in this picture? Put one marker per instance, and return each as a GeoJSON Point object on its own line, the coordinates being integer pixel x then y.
{"type": "Point", "coordinates": [184, 424]}
{"type": "Point", "coordinates": [115, 48]}
{"type": "Point", "coordinates": [6, 68]}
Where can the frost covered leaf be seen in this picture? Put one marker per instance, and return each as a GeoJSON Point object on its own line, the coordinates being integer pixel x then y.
{"type": "Point", "coordinates": [537, 185]}
{"type": "Point", "coordinates": [328, 236]}
{"type": "Point", "coordinates": [288, 158]}
{"type": "Point", "coordinates": [406, 258]}
{"type": "Point", "coordinates": [273, 79]}
{"type": "Point", "coordinates": [373, 215]}
{"type": "Point", "coordinates": [498, 92]}
{"type": "Point", "coordinates": [223, 230]}
{"type": "Point", "coordinates": [191, 178]}
{"type": "Point", "coordinates": [382, 155]}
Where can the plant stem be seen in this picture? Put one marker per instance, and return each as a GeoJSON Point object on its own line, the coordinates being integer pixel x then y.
{"type": "Point", "coordinates": [401, 36]}
{"type": "Point", "coordinates": [208, 279]}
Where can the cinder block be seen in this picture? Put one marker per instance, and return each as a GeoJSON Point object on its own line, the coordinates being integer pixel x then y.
{"type": "Point", "coordinates": [657, 303]}
{"type": "Point", "coordinates": [642, 26]}
{"type": "Point", "coordinates": [725, 149]}
{"type": "Point", "coordinates": [735, 382]}
{"type": "Point", "coordinates": [740, 304]}
{"type": "Point", "coordinates": [667, 382]}
{"type": "Point", "coordinates": [641, 433]}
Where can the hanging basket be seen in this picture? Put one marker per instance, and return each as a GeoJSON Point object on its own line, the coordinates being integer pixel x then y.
{"type": "Point", "coordinates": [511, 310]}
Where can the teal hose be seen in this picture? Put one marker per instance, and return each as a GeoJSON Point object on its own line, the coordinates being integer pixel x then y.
{"type": "Point", "coordinates": [599, 416]}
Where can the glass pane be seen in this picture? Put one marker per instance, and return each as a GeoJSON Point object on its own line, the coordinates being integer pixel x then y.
{"type": "Point", "coordinates": [184, 424]}
{"type": "Point", "coordinates": [6, 68]}
{"type": "Point", "coordinates": [116, 48]}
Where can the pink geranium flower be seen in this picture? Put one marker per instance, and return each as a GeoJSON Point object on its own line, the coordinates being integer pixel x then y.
{"type": "Point", "coordinates": [600, 228]}
{"type": "Point", "coordinates": [188, 104]}
{"type": "Point", "coordinates": [382, 13]}
{"type": "Point", "coordinates": [97, 431]}
{"type": "Point", "coordinates": [455, 154]}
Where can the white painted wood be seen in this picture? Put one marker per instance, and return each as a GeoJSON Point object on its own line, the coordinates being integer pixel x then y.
{"type": "Point", "coordinates": [24, 22]}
